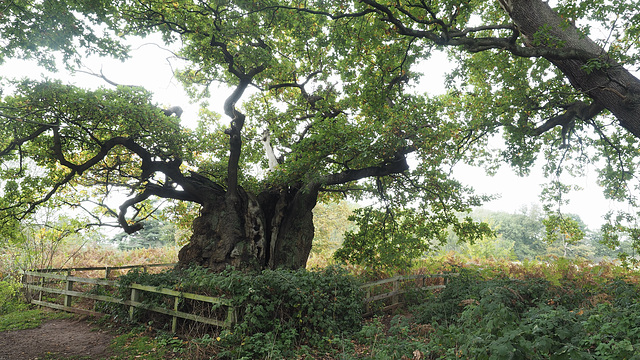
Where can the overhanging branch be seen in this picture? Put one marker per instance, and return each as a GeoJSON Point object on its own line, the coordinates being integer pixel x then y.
{"type": "Point", "coordinates": [394, 166]}
{"type": "Point", "coordinates": [576, 110]}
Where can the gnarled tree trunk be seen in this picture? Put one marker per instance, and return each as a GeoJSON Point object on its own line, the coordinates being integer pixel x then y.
{"type": "Point", "coordinates": [605, 81]}
{"type": "Point", "coordinates": [272, 230]}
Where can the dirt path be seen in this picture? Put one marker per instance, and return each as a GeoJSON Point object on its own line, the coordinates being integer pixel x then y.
{"type": "Point", "coordinates": [64, 338]}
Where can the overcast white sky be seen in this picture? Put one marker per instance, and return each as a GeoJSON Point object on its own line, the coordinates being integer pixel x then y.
{"type": "Point", "coordinates": [151, 67]}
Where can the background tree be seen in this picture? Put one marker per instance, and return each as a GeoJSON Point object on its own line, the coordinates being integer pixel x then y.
{"type": "Point", "coordinates": [525, 229]}
{"type": "Point", "coordinates": [524, 236]}
{"type": "Point", "coordinates": [331, 222]}
{"type": "Point", "coordinates": [154, 234]}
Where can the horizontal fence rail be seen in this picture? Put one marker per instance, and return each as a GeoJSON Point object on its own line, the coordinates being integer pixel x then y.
{"type": "Point", "coordinates": [37, 281]}
{"type": "Point", "coordinates": [106, 269]}
{"type": "Point", "coordinates": [389, 291]}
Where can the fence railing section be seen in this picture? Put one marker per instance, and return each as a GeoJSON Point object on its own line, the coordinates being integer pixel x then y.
{"type": "Point", "coordinates": [389, 292]}
{"type": "Point", "coordinates": [47, 282]}
{"type": "Point", "coordinates": [107, 269]}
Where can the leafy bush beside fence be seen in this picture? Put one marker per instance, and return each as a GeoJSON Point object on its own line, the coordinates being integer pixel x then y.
{"type": "Point", "coordinates": [506, 318]}
{"type": "Point", "coordinates": [10, 296]}
{"type": "Point", "coordinates": [279, 310]}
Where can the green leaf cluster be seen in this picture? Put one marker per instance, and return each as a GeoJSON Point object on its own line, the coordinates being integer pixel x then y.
{"type": "Point", "coordinates": [392, 240]}
{"type": "Point", "coordinates": [73, 29]}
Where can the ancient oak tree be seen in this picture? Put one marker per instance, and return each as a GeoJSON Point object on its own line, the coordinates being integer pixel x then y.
{"type": "Point", "coordinates": [327, 88]}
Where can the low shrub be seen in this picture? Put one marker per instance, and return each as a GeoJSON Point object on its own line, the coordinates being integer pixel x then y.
{"type": "Point", "coordinates": [445, 305]}
{"type": "Point", "coordinates": [504, 318]}
{"type": "Point", "coordinates": [10, 299]}
{"type": "Point", "coordinates": [278, 310]}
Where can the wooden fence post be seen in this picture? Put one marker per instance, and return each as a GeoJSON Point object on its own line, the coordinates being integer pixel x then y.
{"type": "Point", "coordinates": [67, 298]}
{"type": "Point", "coordinates": [231, 317]}
{"type": "Point", "coordinates": [367, 305]}
{"type": "Point", "coordinates": [396, 288]}
{"type": "Point", "coordinates": [135, 297]}
{"type": "Point", "coordinates": [107, 272]}
{"type": "Point", "coordinates": [174, 320]}
{"type": "Point", "coordinates": [40, 292]}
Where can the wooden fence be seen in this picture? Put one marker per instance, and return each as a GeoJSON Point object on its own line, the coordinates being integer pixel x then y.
{"type": "Point", "coordinates": [107, 269]}
{"type": "Point", "coordinates": [390, 291]}
{"type": "Point", "coordinates": [387, 291]}
{"type": "Point", "coordinates": [45, 282]}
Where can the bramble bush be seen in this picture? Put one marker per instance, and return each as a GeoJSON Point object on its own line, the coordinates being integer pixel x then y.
{"type": "Point", "coordinates": [10, 296]}
{"type": "Point", "coordinates": [506, 318]}
{"type": "Point", "coordinates": [279, 310]}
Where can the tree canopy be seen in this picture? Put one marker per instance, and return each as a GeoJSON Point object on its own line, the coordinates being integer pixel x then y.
{"type": "Point", "coordinates": [331, 101]}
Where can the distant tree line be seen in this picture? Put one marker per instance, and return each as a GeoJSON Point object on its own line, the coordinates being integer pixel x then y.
{"type": "Point", "coordinates": [523, 235]}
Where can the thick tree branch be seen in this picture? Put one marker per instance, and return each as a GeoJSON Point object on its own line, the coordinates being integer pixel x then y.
{"type": "Point", "coordinates": [317, 12]}
{"type": "Point", "coordinates": [152, 190]}
{"type": "Point", "coordinates": [584, 63]}
{"type": "Point", "coordinates": [122, 220]}
{"type": "Point", "coordinates": [17, 142]}
{"type": "Point", "coordinates": [598, 76]}
{"type": "Point", "coordinates": [193, 187]}
{"type": "Point", "coordinates": [237, 118]}
{"type": "Point", "coordinates": [576, 110]}
{"type": "Point", "coordinates": [394, 166]}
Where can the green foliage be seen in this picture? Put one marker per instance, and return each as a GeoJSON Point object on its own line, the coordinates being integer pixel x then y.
{"type": "Point", "coordinates": [333, 84]}
{"type": "Point", "coordinates": [391, 240]}
{"type": "Point", "coordinates": [10, 297]}
{"type": "Point", "coordinates": [490, 314]}
{"type": "Point", "coordinates": [562, 228]}
{"type": "Point", "coordinates": [395, 343]}
{"type": "Point", "coordinates": [133, 345]}
{"type": "Point", "coordinates": [503, 318]}
{"type": "Point", "coordinates": [524, 229]}
{"type": "Point", "coordinates": [279, 309]}
{"type": "Point", "coordinates": [384, 240]}
{"type": "Point", "coordinates": [527, 235]}
{"type": "Point", "coordinates": [446, 306]}
{"type": "Point", "coordinates": [67, 27]}
{"type": "Point", "coordinates": [489, 247]}
{"type": "Point", "coordinates": [116, 119]}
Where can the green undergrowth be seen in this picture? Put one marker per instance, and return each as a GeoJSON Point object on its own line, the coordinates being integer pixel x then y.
{"type": "Point", "coordinates": [499, 317]}
{"type": "Point", "coordinates": [143, 343]}
{"type": "Point", "coordinates": [26, 318]}
{"type": "Point", "coordinates": [15, 314]}
{"type": "Point", "coordinates": [278, 311]}
{"type": "Point", "coordinates": [20, 320]}
{"type": "Point", "coordinates": [564, 309]}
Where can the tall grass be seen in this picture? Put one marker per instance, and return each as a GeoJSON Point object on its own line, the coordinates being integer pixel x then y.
{"type": "Point", "coordinates": [74, 255]}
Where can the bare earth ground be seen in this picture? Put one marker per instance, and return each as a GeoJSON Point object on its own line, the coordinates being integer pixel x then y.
{"type": "Point", "coordinates": [64, 338]}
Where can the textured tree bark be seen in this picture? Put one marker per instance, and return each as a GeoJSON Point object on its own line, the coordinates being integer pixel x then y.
{"type": "Point", "coordinates": [610, 86]}
{"type": "Point", "coordinates": [273, 230]}
{"type": "Point", "coordinates": [291, 228]}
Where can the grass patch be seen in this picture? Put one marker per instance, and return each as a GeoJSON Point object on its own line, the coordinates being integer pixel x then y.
{"type": "Point", "coordinates": [145, 344]}
{"type": "Point", "coordinates": [29, 319]}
